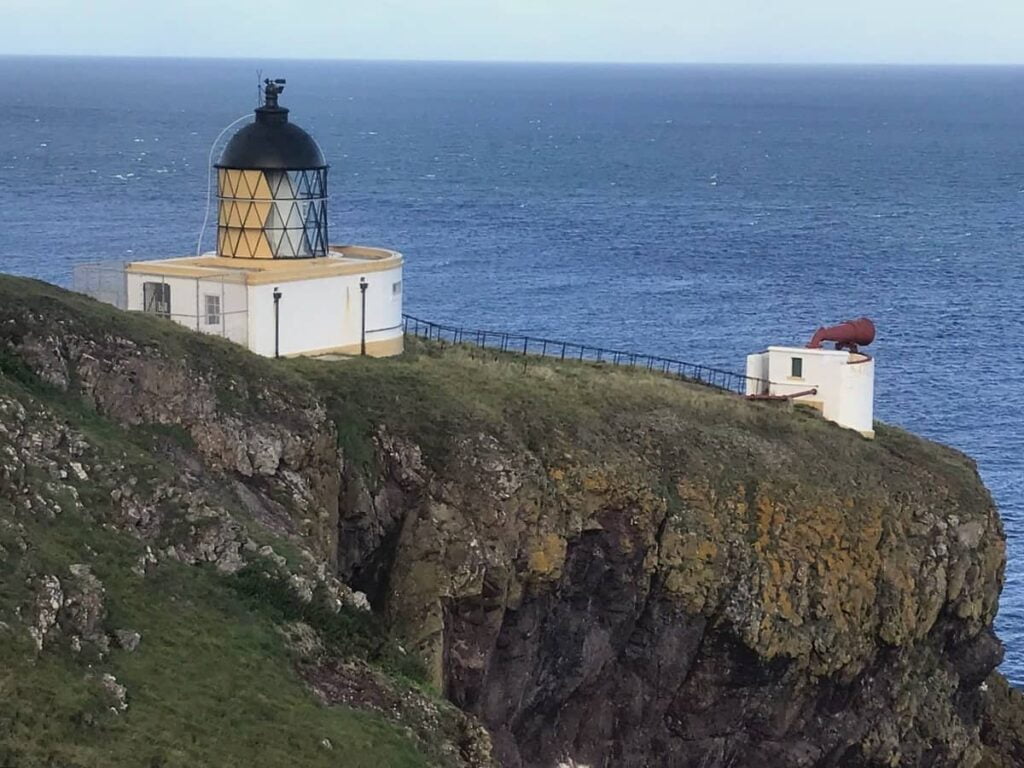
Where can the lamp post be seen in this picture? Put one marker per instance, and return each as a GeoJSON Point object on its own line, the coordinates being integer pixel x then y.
{"type": "Point", "coordinates": [363, 285]}
{"type": "Point", "coordinates": [277, 322]}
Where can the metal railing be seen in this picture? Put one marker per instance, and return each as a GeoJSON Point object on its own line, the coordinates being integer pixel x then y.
{"type": "Point", "coordinates": [516, 344]}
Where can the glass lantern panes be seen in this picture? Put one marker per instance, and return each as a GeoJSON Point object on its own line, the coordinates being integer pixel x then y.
{"type": "Point", "coordinates": [272, 214]}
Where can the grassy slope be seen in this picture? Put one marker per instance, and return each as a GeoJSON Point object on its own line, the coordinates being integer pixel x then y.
{"type": "Point", "coordinates": [559, 409]}
{"type": "Point", "coordinates": [211, 683]}
{"type": "Point", "coordinates": [433, 392]}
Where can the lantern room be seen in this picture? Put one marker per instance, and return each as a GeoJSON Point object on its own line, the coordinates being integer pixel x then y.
{"type": "Point", "coordinates": [272, 188]}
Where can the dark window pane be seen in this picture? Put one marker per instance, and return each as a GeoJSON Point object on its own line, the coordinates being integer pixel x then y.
{"type": "Point", "coordinates": [156, 298]}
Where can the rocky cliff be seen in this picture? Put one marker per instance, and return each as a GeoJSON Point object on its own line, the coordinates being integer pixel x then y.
{"type": "Point", "coordinates": [601, 567]}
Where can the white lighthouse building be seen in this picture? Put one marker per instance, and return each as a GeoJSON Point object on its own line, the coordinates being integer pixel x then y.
{"type": "Point", "coordinates": [275, 284]}
{"type": "Point", "coordinates": [839, 382]}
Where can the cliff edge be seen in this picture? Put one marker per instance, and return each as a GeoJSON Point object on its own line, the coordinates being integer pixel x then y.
{"type": "Point", "coordinates": [602, 567]}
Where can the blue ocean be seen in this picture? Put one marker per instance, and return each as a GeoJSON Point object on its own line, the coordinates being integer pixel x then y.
{"type": "Point", "coordinates": [695, 212]}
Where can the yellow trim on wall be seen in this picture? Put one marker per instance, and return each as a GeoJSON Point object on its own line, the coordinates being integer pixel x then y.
{"type": "Point", "coordinates": [379, 348]}
{"type": "Point", "coordinates": [363, 252]}
{"type": "Point", "coordinates": [282, 275]}
{"type": "Point", "coordinates": [168, 269]}
{"type": "Point", "coordinates": [345, 261]}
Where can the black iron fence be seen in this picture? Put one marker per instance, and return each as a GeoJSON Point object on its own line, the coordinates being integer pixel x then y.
{"type": "Point", "coordinates": [517, 344]}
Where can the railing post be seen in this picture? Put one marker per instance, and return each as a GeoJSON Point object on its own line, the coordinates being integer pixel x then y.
{"type": "Point", "coordinates": [563, 351]}
{"type": "Point", "coordinates": [526, 340]}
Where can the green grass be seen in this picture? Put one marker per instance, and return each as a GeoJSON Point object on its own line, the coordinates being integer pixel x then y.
{"type": "Point", "coordinates": [211, 684]}
{"type": "Point", "coordinates": [348, 632]}
{"type": "Point", "coordinates": [156, 436]}
{"type": "Point", "coordinates": [599, 415]}
{"type": "Point", "coordinates": [433, 394]}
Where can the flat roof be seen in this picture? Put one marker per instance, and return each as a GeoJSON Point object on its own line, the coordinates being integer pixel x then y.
{"type": "Point", "coordinates": [854, 357]}
{"type": "Point", "coordinates": [341, 260]}
{"type": "Point", "coordinates": [806, 350]}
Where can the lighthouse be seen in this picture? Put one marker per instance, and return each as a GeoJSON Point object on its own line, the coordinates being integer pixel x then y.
{"type": "Point", "coordinates": [275, 283]}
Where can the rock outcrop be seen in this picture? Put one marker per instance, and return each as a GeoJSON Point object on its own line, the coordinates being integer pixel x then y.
{"type": "Point", "coordinates": [731, 618]}
{"type": "Point", "coordinates": [604, 568]}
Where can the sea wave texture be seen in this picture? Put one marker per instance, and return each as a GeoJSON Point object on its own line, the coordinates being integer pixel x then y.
{"type": "Point", "coordinates": [697, 212]}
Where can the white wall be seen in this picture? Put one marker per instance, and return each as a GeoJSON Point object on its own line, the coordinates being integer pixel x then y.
{"type": "Point", "coordinates": [324, 313]}
{"type": "Point", "coordinates": [757, 374]}
{"type": "Point", "coordinates": [857, 399]}
{"type": "Point", "coordinates": [234, 319]}
{"type": "Point", "coordinates": [188, 304]}
{"type": "Point", "coordinates": [318, 314]}
{"type": "Point", "coordinates": [821, 371]}
{"type": "Point", "coordinates": [183, 296]}
{"type": "Point", "coordinates": [844, 382]}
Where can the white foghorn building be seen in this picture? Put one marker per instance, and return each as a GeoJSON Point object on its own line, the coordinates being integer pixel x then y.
{"type": "Point", "coordinates": [839, 382]}
{"type": "Point", "coordinates": [274, 283]}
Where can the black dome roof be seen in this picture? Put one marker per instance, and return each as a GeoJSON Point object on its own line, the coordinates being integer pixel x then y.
{"type": "Point", "coordinates": [272, 143]}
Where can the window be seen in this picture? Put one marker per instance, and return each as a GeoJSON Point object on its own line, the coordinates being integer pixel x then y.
{"type": "Point", "coordinates": [156, 298]}
{"type": "Point", "coordinates": [212, 307]}
{"type": "Point", "coordinates": [797, 368]}
{"type": "Point", "coordinates": [396, 289]}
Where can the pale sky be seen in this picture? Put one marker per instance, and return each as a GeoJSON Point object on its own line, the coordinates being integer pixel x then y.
{"type": "Point", "coordinates": [777, 31]}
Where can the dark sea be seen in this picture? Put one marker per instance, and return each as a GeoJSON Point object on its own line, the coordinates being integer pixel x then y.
{"type": "Point", "coordinates": [696, 212]}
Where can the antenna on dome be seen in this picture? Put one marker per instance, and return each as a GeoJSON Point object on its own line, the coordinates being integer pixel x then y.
{"type": "Point", "coordinates": [271, 91]}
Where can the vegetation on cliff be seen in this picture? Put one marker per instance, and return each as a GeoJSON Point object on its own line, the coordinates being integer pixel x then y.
{"type": "Point", "coordinates": [599, 565]}
{"type": "Point", "coordinates": [146, 617]}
